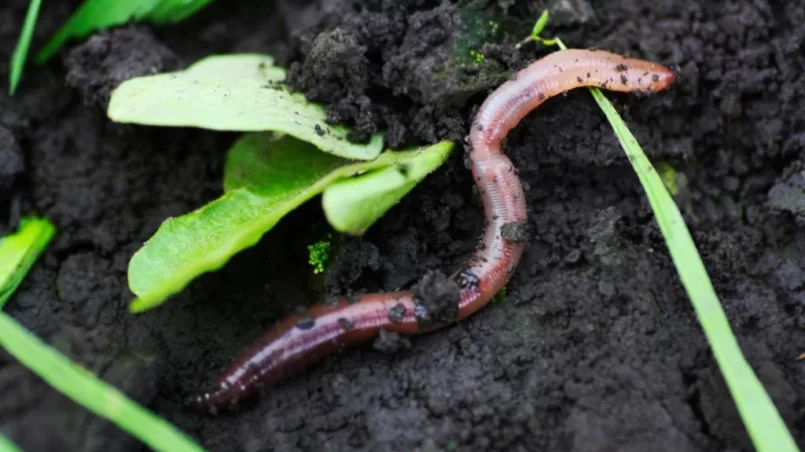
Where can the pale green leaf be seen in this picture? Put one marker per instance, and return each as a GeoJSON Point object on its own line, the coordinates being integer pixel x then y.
{"type": "Point", "coordinates": [19, 251]}
{"type": "Point", "coordinates": [265, 179]}
{"type": "Point", "coordinates": [241, 92]}
{"type": "Point", "coordinates": [353, 205]}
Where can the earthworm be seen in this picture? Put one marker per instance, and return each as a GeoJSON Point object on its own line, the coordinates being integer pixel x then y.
{"type": "Point", "coordinates": [302, 339]}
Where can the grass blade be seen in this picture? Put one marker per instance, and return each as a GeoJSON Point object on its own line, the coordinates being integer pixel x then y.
{"type": "Point", "coordinates": [764, 424]}
{"type": "Point", "coordinates": [96, 15]}
{"type": "Point", "coordinates": [19, 251]}
{"type": "Point", "coordinates": [6, 445]}
{"type": "Point", "coordinates": [172, 11]}
{"type": "Point", "coordinates": [21, 51]}
{"type": "Point", "coordinates": [91, 392]}
{"type": "Point", "coordinates": [766, 428]}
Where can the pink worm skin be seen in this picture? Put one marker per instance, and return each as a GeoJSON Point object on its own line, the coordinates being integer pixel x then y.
{"type": "Point", "coordinates": [302, 339]}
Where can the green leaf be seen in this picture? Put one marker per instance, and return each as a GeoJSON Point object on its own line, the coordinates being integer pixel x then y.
{"type": "Point", "coordinates": [241, 92]}
{"type": "Point", "coordinates": [91, 392]}
{"type": "Point", "coordinates": [767, 429]}
{"type": "Point", "coordinates": [763, 422]}
{"type": "Point", "coordinates": [96, 15]}
{"type": "Point", "coordinates": [171, 11]}
{"type": "Point", "coordinates": [353, 205]}
{"type": "Point", "coordinates": [21, 50]}
{"type": "Point", "coordinates": [266, 177]}
{"type": "Point", "coordinates": [6, 445]}
{"type": "Point", "coordinates": [19, 251]}
{"type": "Point", "coordinates": [540, 24]}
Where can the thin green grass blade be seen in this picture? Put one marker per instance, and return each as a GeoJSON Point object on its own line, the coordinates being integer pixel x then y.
{"type": "Point", "coordinates": [764, 424]}
{"type": "Point", "coordinates": [23, 44]}
{"type": "Point", "coordinates": [19, 252]}
{"type": "Point", "coordinates": [94, 394]}
{"type": "Point", "coordinates": [172, 11]}
{"type": "Point", "coordinates": [6, 445]}
{"type": "Point", "coordinates": [96, 15]}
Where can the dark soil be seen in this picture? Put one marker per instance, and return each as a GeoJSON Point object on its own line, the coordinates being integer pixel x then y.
{"type": "Point", "coordinates": [595, 347]}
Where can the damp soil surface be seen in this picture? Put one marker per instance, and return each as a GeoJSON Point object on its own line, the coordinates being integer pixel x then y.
{"type": "Point", "coordinates": [595, 345]}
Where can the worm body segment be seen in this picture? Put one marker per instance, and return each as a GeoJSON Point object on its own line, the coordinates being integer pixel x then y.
{"type": "Point", "coordinates": [302, 339]}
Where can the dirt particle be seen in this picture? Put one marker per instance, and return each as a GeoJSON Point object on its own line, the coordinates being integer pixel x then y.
{"type": "Point", "coordinates": [391, 342]}
{"type": "Point", "coordinates": [437, 299]}
{"type": "Point", "coordinates": [306, 322]}
{"type": "Point", "coordinates": [345, 323]}
{"type": "Point", "coordinates": [606, 288]}
{"type": "Point", "coordinates": [624, 80]}
{"type": "Point", "coordinates": [541, 95]}
{"type": "Point", "coordinates": [421, 312]}
{"type": "Point", "coordinates": [319, 130]}
{"type": "Point", "coordinates": [397, 313]}
{"type": "Point", "coordinates": [516, 232]}
{"type": "Point", "coordinates": [467, 280]}
{"type": "Point", "coordinates": [332, 300]}
{"type": "Point", "coordinates": [621, 67]}
{"type": "Point", "coordinates": [573, 256]}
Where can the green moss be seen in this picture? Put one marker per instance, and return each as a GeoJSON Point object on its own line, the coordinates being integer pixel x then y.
{"type": "Point", "coordinates": [319, 253]}
{"type": "Point", "coordinates": [478, 57]}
